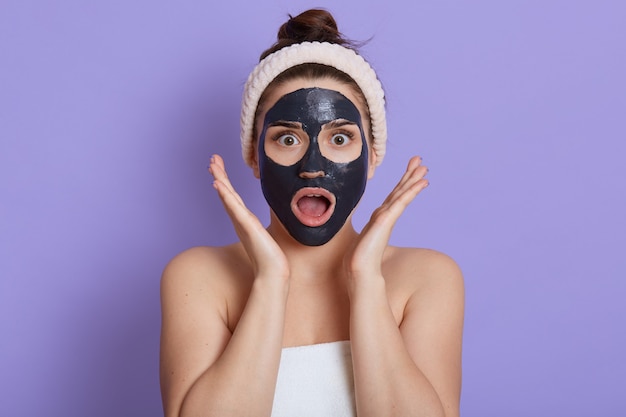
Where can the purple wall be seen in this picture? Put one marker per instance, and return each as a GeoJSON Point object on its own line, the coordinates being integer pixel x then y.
{"type": "Point", "coordinates": [109, 112]}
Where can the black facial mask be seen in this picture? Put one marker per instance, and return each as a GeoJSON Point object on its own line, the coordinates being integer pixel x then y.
{"type": "Point", "coordinates": [313, 107]}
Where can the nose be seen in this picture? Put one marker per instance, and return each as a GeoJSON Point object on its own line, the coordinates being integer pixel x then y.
{"type": "Point", "coordinates": [311, 174]}
{"type": "Point", "coordinates": [312, 163]}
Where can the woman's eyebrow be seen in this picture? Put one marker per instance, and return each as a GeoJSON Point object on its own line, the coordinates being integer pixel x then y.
{"type": "Point", "coordinates": [284, 123]}
{"type": "Point", "coordinates": [338, 123]}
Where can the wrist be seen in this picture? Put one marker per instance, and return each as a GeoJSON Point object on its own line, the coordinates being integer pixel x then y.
{"type": "Point", "coordinates": [366, 285]}
{"type": "Point", "coordinates": [271, 283]}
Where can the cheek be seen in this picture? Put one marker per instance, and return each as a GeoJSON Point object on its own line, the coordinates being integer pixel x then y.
{"type": "Point", "coordinates": [371, 163]}
{"type": "Point", "coordinates": [255, 159]}
{"type": "Point", "coordinates": [256, 132]}
{"type": "Point", "coordinates": [258, 126]}
{"type": "Point", "coordinates": [367, 128]}
{"type": "Point", "coordinates": [370, 171]}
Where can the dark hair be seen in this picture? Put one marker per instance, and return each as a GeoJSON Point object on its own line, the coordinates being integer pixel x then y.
{"type": "Point", "coordinates": [313, 25]}
{"type": "Point", "coordinates": [309, 26]}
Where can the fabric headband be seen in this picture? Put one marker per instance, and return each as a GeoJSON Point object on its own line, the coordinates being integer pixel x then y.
{"type": "Point", "coordinates": [344, 59]}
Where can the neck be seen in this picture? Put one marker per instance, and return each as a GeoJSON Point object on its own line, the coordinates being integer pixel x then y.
{"type": "Point", "coordinates": [314, 263]}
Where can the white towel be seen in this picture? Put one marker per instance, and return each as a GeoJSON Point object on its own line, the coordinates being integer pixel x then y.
{"type": "Point", "coordinates": [315, 381]}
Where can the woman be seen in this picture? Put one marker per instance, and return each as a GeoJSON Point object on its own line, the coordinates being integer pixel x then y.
{"type": "Point", "coordinates": [309, 317]}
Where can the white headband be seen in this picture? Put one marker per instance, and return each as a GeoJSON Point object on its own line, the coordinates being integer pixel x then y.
{"type": "Point", "coordinates": [333, 55]}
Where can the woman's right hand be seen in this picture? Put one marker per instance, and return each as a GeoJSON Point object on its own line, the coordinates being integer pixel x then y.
{"type": "Point", "coordinates": [267, 258]}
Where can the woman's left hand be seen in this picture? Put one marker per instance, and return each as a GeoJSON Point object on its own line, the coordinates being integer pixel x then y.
{"type": "Point", "coordinates": [365, 258]}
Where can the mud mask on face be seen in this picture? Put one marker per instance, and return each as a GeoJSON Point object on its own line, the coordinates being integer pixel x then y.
{"type": "Point", "coordinates": [313, 210]}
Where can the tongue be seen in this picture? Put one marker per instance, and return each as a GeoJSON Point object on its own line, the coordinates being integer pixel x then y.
{"type": "Point", "coordinates": [313, 206]}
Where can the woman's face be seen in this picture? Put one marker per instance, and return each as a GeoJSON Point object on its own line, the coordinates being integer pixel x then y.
{"type": "Point", "coordinates": [313, 157]}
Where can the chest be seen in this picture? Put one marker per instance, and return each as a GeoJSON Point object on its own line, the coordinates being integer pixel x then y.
{"type": "Point", "coordinates": [322, 314]}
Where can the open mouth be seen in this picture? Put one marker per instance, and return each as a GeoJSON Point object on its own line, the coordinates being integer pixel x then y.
{"type": "Point", "coordinates": [313, 206]}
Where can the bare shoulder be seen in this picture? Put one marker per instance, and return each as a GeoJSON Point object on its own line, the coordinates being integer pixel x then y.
{"type": "Point", "coordinates": [204, 267]}
{"type": "Point", "coordinates": [421, 269]}
{"type": "Point", "coordinates": [201, 258]}
{"type": "Point", "coordinates": [198, 289]}
{"type": "Point", "coordinates": [431, 317]}
{"type": "Point", "coordinates": [207, 277]}
{"type": "Point", "coordinates": [423, 283]}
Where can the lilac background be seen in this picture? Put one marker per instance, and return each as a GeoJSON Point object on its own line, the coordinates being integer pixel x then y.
{"type": "Point", "coordinates": [110, 110]}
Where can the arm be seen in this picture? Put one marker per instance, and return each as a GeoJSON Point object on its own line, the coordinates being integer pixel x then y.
{"type": "Point", "coordinates": [414, 369]}
{"type": "Point", "coordinates": [204, 369]}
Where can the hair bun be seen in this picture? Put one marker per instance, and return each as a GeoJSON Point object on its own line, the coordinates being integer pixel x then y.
{"type": "Point", "coordinates": [313, 25]}
{"type": "Point", "coordinates": [309, 26]}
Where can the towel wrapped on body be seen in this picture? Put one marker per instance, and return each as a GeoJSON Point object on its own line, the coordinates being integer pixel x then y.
{"type": "Point", "coordinates": [315, 381]}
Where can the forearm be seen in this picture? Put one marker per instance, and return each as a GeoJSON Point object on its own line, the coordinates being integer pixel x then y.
{"type": "Point", "coordinates": [242, 381]}
{"type": "Point", "coordinates": [387, 380]}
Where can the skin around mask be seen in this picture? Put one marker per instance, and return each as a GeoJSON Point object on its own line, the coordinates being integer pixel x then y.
{"type": "Point", "coordinates": [313, 162]}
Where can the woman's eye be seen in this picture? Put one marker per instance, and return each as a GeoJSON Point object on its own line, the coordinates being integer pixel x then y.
{"type": "Point", "coordinates": [340, 139]}
{"type": "Point", "coordinates": [288, 140]}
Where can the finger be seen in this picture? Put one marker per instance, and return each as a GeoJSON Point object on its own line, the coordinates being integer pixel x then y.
{"type": "Point", "coordinates": [376, 233]}
{"type": "Point", "coordinates": [262, 250]}
{"type": "Point", "coordinates": [246, 224]}
{"type": "Point", "coordinates": [398, 200]}
{"type": "Point", "coordinates": [414, 173]}
{"type": "Point", "coordinates": [412, 165]}
{"type": "Point", "coordinates": [218, 170]}
{"type": "Point", "coordinates": [412, 177]}
{"type": "Point", "coordinates": [225, 191]}
{"type": "Point", "coordinates": [403, 199]}
{"type": "Point", "coordinates": [415, 176]}
{"type": "Point", "coordinates": [230, 198]}
{"type": "Point", "coordinates": [243, 219]}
